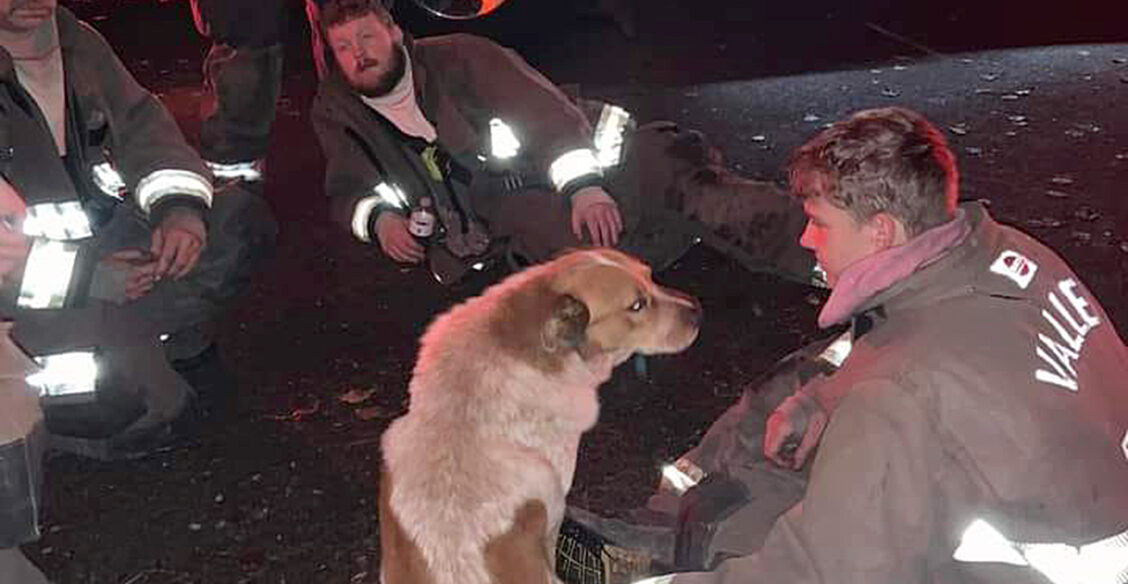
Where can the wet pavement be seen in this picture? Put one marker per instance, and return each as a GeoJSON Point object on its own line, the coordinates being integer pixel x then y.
{"type": "Point", "coordinates": [284, 488]}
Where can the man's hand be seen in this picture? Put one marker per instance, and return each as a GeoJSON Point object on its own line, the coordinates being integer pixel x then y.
{"type": "Point", "coordinates": [396, 241]}
{"type": "Point", "coordinates": [177, 243]}
{"type": "Point", "coordinates": [793, 431]}
{"type": "Point", "coordinates": [137, 268]}
{"type": "Point", "coordinates": [593, 208]}
{"type": "Point", "coordinates": [13, 243]}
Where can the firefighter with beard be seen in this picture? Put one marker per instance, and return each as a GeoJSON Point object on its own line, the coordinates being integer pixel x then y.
{"type": "Point", "coordinates": [512, 166]}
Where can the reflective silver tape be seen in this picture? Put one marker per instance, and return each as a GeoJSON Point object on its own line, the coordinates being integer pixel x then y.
{"type": "Point", "coordinates": [169, 182]}
{"type": "Point", "coordinates": [47, 274]}
{"type": "Point", "coordinates": [248, 171]}
{"type": "Point", "coordinates": [108, 180]}
{"type": "Point", "coordinates": [503, 142]}
{"type": "Point", "coordinates": [392, 195]}
{"type": "Point", "coordinates": [1100, 562]}
{"type": "Point", "coordinates": [362, 212]}
{"type": "Point", "coordinates": [386, 194]}
{"type": "Point", "coordinates": [65, 374]}
{"type": "Point", "coordinates": [613, 122]}
{"type": "Point", "coordinates": [837, 352]}
{"type": "Point", "coordinates": [60, 221]}
{"type": "Point", "coordinates": [572, 165]}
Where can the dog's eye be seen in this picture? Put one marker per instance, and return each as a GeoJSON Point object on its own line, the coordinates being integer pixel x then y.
{"type": "Point", "coordinates": [638, 305]}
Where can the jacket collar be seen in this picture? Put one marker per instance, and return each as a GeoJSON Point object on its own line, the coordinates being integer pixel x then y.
{"type": "Point", "coordinates": [946, 274]}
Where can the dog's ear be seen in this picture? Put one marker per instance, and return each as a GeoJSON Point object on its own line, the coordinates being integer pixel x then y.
{"type": "Point", "coordinates": [567, 325]}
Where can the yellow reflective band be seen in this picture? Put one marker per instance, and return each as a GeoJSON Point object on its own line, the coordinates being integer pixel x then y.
{"type": "Point", "coordinates": [503, 142]}
{"type": "Point", "coordinates": [169, 182]}
{"type": "Point", "coordinates": [431, 162]}
{"type": "Point", "coordinates": [613, 122]}
{"type": "Point", "coordinates": [573, 165]}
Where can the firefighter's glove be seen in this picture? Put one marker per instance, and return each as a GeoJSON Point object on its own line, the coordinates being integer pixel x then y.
{"type": "Point", "coordinates": [396, 241]}
{"type": "Point", "coordinates": [177, 242]}
{"type": "Point", "coordinates": [13, 243]}
{"type": "Point", "coordinates": [593, 208]}
{"type": "Point", "coordinates": [793, 431]}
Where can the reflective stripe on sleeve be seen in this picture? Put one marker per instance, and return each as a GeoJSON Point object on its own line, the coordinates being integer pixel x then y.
{"type": "Point", "coordinates": [573, 165]}
{"type": "Point", "coordinates": [169, 182]}
{"type": "Point", "coordinates": [386, 194]}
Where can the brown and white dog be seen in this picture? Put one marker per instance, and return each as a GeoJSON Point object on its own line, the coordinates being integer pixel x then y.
{"type": "Point", "coordinates": [476, 473]}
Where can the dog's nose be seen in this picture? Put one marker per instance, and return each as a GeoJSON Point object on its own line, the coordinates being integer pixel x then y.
{"type": "Point", "coordinates": [691, 309]}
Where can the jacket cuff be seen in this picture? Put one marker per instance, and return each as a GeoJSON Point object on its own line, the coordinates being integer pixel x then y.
{"type": "Point", "coordinates": [167, 204]}
{"type": "Point", "coordinates": [574, 170]}
{"type": "Point", "coordinates": [591, 180]}
{"type": "Point", "coordinates": [161, 184]}
{"type": "Point", "coordinates": [386, 197]}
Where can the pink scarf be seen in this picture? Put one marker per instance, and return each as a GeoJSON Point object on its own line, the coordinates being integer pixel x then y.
{"type": "Point", "coordinates": [877, 272]}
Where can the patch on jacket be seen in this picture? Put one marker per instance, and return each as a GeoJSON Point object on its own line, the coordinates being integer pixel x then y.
{"type": "Point", "coordinates": [1015, 266]}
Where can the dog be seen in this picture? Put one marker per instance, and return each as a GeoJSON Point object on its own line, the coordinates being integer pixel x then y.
{"type": "Point", "coordinates": [475, 474]}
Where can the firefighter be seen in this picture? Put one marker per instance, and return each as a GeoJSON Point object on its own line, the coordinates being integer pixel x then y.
{"type": "Point", "coordinates": [105, 172]}
{"type": "Point", "coordinates": [514, 168]}
{"type": "Point", "coordinates": [242, 83]}
{"type": "Point", "coordinates": [21, 422]}
{"type": "Point", "coordinates": [971, 422]}
{"type": "Point", "coordinates": [243, 80]}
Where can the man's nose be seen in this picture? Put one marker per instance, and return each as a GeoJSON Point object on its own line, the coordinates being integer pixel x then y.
{"type": "Point", "coordinates": [806, 238]}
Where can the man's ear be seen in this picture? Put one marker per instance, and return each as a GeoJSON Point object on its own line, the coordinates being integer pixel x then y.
{"type": "Point", "coordinates": [886, 231]}
{"type": "Point", "coordinates": [567, 325]}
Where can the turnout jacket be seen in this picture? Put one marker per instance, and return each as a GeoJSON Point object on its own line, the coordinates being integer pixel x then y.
{"type": "Point", "coordinates": [980, 433]}
{"type": "Point", "coordinates": [120, 138]}
{"type": "Point", "coordinates": [462, 83]}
